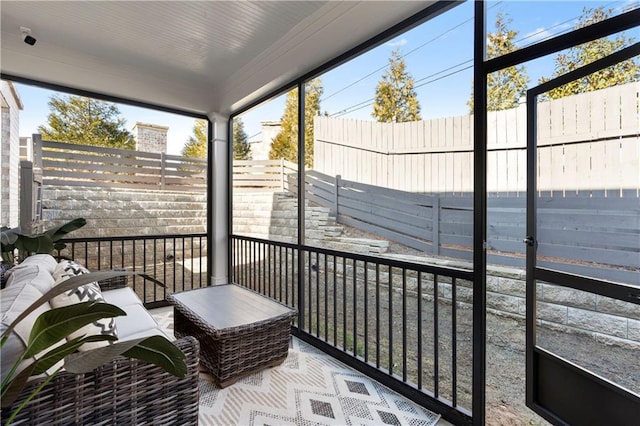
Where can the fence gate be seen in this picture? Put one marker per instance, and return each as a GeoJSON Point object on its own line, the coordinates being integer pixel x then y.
{"type": "Point", "coordinates": [573, 379]}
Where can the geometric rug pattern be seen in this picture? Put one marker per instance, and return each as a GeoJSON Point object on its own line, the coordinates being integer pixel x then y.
{"type": "Point", "coordinates": [308, 388]}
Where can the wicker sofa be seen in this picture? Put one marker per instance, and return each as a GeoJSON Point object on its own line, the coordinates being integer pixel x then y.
{"type": "Point", "coordinates": [123, 391]}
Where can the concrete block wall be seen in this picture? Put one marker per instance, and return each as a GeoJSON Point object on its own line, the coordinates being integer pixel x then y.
{"type": "Point", "coordinates": [568, 309]}
{"type": "Point", "coordinates": [573, 311]}
{"type": "Point", "coordinates": [119, 212]}
{"type": "Point", "coordinates": [274, 215]}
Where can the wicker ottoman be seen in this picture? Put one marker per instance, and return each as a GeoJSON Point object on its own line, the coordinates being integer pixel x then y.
{"type": "Point", "coordinates": [240, 331]}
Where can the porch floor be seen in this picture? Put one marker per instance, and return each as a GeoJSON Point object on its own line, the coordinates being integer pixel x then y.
{"type": "Point", "coordinates": [309, 388]}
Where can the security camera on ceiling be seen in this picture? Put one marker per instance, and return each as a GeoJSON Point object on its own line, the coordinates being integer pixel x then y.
{"type": "Point", "coordinates": [27, 37]}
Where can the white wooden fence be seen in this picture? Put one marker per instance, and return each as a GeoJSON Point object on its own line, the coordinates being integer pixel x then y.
{"type": "Point", "coordinates": [262, 175]}
{"type": "Point", "coordinates": [68, 164]}
{"type": "Point", "coordinates": [586, 142]}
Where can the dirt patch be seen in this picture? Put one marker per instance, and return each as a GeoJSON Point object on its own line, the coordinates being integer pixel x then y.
{"type": "Point", "coordinates": [506, 373]}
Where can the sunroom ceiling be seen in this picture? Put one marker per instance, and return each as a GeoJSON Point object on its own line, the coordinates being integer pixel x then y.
{"type": "Point", "coordinates": [197, 56]}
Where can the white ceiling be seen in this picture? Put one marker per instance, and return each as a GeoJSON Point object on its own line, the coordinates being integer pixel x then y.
{"type": "Point", "coordinates": [196, 56]}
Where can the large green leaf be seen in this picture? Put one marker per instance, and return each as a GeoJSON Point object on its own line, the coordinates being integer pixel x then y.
{"type": "Point", "coordinates": [8, 236]}
{"type": "Point", "coordinates": [62, 230]}
{"type": "Point", "coordinates": [41, 243]}
{"type": "Point", "coordinates": [166, 355]}
{"type": "Point", "coordinates": [83, 362]}
{"type": "Point", "coordinates": [56, 324]}
{"type": "Point", "coordinates": [58, 353]}
{"type": "Point", "coordinates": [159, 351]}
{"type": "Point", "coordinates": [64, 286]}
{"type": "Point", "coordinates": [15, 386]}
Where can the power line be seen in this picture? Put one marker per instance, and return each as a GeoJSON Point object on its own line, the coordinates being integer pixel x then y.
{"type": "Point", "coordinates": [369, 101]}
{"type": "Point", "coordinates": [546, 29]}
{"type": "Point", "coordinates": [253, 136]}
{"type": "Point", "coordinates": [455, 27]}
{"type": "Point", "coordinates": [445, 70]}
{"type": "Point", "coordinates": [344, 112]}
{"type": "Point", "coordinates": [348, 109]}
{"type": "Point", "coordinates": [354, 83]}
{"type": "Point", "coordinates": [575, 18]}
{"type": "Point", "coordinates": [402, 56]}
{"type": "Point", "coordinates": [442, 77]}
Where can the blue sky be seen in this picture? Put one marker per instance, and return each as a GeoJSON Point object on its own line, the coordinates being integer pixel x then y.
{"type": "Point", "coordinates": [436, 54]}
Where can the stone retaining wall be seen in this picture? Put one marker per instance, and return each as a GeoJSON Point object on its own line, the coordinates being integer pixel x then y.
{"type": "Point", "coordinates": [603, 318]}
{"type": "Point", "coordinates": [574, 311]}
{"type": "Point", "coordinates": [120, 212]}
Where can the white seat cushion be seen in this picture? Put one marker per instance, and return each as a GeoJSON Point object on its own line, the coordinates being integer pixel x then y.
{"type": "Point", "coordinates": [148, 333]}
{"type": "Point", "coordinates": [138, 321]}
{"type": "Point", "coordinates": [121, 297]}
{"type": "Point", "coordinates": [13, 301]}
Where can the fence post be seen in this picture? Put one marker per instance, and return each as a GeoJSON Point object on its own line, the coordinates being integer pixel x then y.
{"type": "Point", "coordinates": [36, 180]}
{"type": "Point", "coordinates": [336, 201]}
{"type": "Point", "coordinates": [26, 196]}
{"type": "Point", "coordinates": [36, 141]}
{"type": "Point", "coordinates": [436, 224]}
{"type": "Point", "coordinates": [163, 165]}
{"type": "Point", "coordinates": [282, 175]}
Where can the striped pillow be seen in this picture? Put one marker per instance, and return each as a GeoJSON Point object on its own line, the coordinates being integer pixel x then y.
{"type": "Point", "coordinates": [88, 292]}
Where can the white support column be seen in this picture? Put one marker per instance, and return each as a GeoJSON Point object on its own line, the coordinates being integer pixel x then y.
{"type": "Point", "coordinates": [218, 247]}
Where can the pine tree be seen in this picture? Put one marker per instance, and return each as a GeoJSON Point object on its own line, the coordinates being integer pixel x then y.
{"type": "Point", "coordinates": [196, 146]}
{"type": "Point", "coordinates": [396, 100]}
{"type": "Point", "coordinates": [313, 92]}
{"type": "Point", "coordinates": [506, 86]}
{"type": "Point", "coordinates": [578, 56]}
{"type": "Point", "coordinates": [285, 144]}
{"type": "Point", "coordinates": [86, 121]}
{"type": "Point", "coordinates": [241, 148]}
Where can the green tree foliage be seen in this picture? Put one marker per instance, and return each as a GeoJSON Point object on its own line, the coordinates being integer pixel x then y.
{"type": "Point", "coordinates": [196, 146]}
{"type": "Point", "coordinates": [578, 56]}
{"type": "Point", "coordinates": [506, 86]}
{"type": "Point", "coordinates": [86, 121]}
{"type": "Point", "coordinates": [241, 147]}
{"type": "Point", "coordinates": [396, 100]}
{"type": "Point", "coordinates": [285, 144]}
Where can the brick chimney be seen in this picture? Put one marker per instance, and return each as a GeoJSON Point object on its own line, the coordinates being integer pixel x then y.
{"type": "Point", "coordinates": [150, 137]}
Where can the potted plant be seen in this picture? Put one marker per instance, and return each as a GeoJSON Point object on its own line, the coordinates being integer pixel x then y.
{"type": "Point", "coordinates": [13, 239]}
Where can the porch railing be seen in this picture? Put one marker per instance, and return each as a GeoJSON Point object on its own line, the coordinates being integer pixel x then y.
{"type": "Point", "coordinates": [401, 323]}
{"type": "Point", "coordinates": [392, 320]}
{"type": "Point", "coordinates": [177, 261]}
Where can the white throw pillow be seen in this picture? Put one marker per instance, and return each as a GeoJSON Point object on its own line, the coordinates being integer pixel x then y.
{"type": "Point", "coordinates": [88, 292]}
{"type": "Point", "coordinates": [36, 270]}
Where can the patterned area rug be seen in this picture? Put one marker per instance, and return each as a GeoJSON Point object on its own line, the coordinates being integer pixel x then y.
{"type": "Point", "coordinates": [309, 388]}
